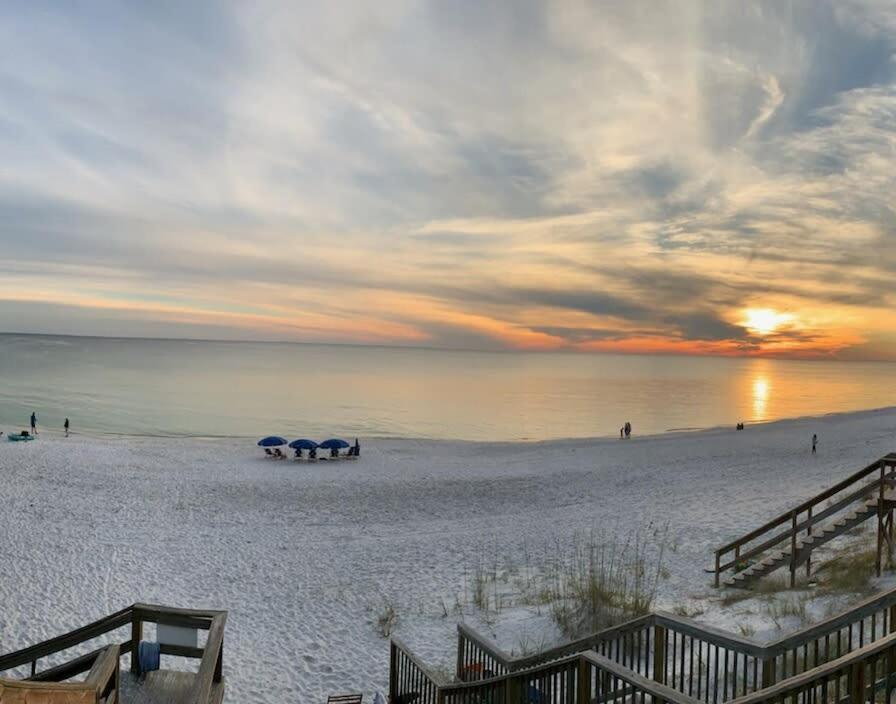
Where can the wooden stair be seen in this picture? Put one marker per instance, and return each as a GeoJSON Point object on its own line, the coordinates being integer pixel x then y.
{"type": "Point", "coordinates": [804, 546]}
{"type": "Point", "coordinates": [789, 539]}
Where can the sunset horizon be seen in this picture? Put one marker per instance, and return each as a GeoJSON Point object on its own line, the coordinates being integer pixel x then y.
{"type": "Point", "coordinates": [659, 186]}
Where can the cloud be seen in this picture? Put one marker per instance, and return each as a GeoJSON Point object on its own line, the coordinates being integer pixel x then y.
{"type": "Point", "coordinates": [552, 175]}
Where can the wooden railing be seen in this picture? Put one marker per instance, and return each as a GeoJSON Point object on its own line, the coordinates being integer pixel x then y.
{"type": "Point", "coordinates": [100, 685]}
{"type": "Point", "coordinates": [867, 675]}
{"type": "Point", "coordinates": [100, 660]}
{"type": "Point", "coordinates": [788, 528]}
{"type": "Point", "coordinates": [709, 664]}
{"type": "Point", "coordinates": [410, 681]}
{"type": "Point", "coordinates": [583, 678]}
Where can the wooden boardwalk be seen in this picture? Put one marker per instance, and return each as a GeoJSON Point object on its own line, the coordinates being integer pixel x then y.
{"type": "Point", "coordinates": [104, 682]}
{"type": "Point", "coordinates": [164, 687]}
{"type": "Point", "coordinates": [789, 539]}
{"type": "Point", "coordinates": [661, 658]}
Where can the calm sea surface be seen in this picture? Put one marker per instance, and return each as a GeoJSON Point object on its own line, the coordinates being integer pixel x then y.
{"type": "Point", "coordinates": [166, 387]}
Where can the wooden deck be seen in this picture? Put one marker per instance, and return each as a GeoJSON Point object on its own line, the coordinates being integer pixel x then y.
{"type": "Point", "coordinates": [164, 687]}
{"type": "Point", "coordinates": [106, 682]}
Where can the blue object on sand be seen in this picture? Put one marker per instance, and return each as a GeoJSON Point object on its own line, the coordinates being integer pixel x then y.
{"type": "Point", "coordinates": [303, 444]}
{"type": "Point", "coordinates": [18, 437]}
{"type": "Point", "coordinates": [148, 656]}
{"type": "Point", "coordinates": [334, 443]}
{"type": "Point", "coordinates": [272, 441]}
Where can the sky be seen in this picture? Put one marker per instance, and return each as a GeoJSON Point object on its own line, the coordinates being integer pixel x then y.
{"type": "Point", "coordinates": [684, 177]}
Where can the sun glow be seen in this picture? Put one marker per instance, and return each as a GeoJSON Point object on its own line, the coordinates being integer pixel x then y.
{"type": "Point", "coordinates": [765, 321]}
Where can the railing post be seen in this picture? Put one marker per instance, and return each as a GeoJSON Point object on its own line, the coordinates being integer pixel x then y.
{"type": "Point", "coordinates": [857, 683]}
{"type": "Point", "coordinates": [880, 521]}
{"type": "Point", "coordinates": [393, 673]}
{"type": "Point", "coordinates": [583, 681]}
{"type": "Point", "coordinates": [118, 679]}
{"type": "Point", "coordinates": [809, 535]}
{"type": "Point", "coordinates": [512, 691]}
{"type": "Point", "coordinates": [219, 664]}
{"type": "Point", "coordinates": [768, 672]}
{"type": "Point", "coordinates": [659, 654]}
{"type": "Point", "coordinates": [136, 637]}
{"type": "Point", "coordinates": [461, 654]}
{"type": "Point", "coordinates": [718, 562]}
{"type": "Point", "coordinates": [793, 524]}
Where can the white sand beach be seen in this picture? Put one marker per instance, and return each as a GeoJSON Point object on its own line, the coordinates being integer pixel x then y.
{"type": "Point", "coordinates": [305, 557]}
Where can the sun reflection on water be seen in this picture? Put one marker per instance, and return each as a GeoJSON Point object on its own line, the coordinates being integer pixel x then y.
{"type": "Point", "coordinates": [760, 397]}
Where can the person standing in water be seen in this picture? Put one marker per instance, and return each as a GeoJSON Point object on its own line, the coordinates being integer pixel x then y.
{"type": "Point", "coordinates": [33, 423]}
{"type": "Point", "coordinates": [65, 425]}
{"type": "Point", "coordinates": [814, 442]}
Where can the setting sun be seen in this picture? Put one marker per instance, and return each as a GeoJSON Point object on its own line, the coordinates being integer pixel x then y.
{"type": "Point", "coordinates": [765, 321]}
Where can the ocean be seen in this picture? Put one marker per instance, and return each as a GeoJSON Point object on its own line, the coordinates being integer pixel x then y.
{"type": "Point", "coordinates": [211, 389]}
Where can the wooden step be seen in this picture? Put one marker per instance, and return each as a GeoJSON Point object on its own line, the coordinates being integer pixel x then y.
{"type": "Point", "coordinates": [819, 536]}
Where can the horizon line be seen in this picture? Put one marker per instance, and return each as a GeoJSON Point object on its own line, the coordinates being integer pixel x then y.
{"type": "Point", "coordinates": [431, 348]}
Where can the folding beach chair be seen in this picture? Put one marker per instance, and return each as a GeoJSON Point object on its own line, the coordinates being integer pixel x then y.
{"type": "Point", "coordinates": [345, 699]}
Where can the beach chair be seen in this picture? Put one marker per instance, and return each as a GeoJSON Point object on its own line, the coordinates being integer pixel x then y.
{"type": "Point", "coordinates": [268, 453]}
{"type": "Point", "coordinates": [278, 453]}
{"type": "Point", "coordinates": [345, 699]}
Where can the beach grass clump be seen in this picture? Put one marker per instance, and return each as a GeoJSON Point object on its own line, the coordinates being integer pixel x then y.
{"type": "Point", "coordinates": [794, 607]}
{"type": "Point", "coordinates": [600, 581]}
{"type": "Point", "coordinates": [849, 571]}
{"type": "Point", "coordinates": [386, 619]}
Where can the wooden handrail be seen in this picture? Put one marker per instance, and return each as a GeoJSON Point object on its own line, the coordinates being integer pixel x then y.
{"type": "Point", "coordinates": [65, 641]}
{"type": "Point", "coordinates": [210, 665]}
{"type": "Point", "coordinates": [860, 493]}
{"type": "Point", "coordinates": [69, 669]}
{"type": "Point", "coordinates": [889, 459]}
{"type": "Point", "coordinates": [659, 691]}
{"type": "Point", "coordinates": [685, 626]}
{"type": "Point", "coordinates": [803, 679]}
{"type": "Point", "coordinates": [797, 525]}
{"type": "Point", "coordinates": [418, 663]}
{"type": "Point", "coordinates": [104, 670]}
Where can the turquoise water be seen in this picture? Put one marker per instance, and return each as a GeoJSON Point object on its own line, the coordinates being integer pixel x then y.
{"type": "Point", "coordinates": [170, 387]}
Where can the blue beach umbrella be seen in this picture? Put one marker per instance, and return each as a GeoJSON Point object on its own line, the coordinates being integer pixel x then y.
{"type": "Point", "coordinates": [334, 443]}
{"type": "Point", "coordinates": [303, 444]}
{"type": "Point", "coordinates": [272, 441]}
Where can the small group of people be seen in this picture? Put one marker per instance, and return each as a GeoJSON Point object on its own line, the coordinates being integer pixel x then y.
{"type": "Point", "coordinates": [626, 430]}
{"type": "Point", "coordinates": [65, 425]}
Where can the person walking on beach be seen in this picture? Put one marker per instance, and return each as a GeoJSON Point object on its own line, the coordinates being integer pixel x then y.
{"type": "Point", "coordinates": [814, 442]}
{"type": "Point", "coordinates": [33, 423]}
{"type": "Point", "coordinates": [628, 430]}
{"type": "Point", "coordinates": [65, 425]}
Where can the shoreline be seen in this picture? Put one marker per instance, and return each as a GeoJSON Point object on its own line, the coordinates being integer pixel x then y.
{"type": "Point", "coordinates": [589, 439]}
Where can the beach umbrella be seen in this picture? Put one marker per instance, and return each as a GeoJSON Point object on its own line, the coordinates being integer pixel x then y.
{"type": "Point", "coordinates": [272, 441]}
{"type": "Point", "coordinates": [334, 443]}
{"type": "Point", "coordinates": [303, 444]}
